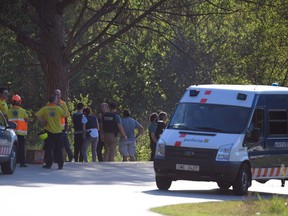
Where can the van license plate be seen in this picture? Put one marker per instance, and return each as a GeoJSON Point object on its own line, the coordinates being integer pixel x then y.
{"type": "Point", "coordinates": [187, 167]}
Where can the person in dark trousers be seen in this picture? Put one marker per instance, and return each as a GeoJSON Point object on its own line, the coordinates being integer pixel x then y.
{"type": "Point", "coordinates": [65, 127]}
{"type": "Point", "coordinates": [50, 116]}
{"type": "Point", "coordinates": [78, 132]}
{"type": "Point", "coordinates": [100, 146]}
{"type": "Point", "coordinates": [19, 116]}
{"type": "Point", "coordinates": [152, 131]}
{"type": "Point", "coordinates": [3, 98]}
{"type": "Point", "coordinates": [161, 124]}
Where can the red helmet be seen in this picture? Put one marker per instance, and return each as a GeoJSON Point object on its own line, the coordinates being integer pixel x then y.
{"type": "Point", "coordinates": [16, 98]}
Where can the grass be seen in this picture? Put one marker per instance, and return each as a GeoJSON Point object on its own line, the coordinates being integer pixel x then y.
{"type": "Point", "coordinates": [262, 207]}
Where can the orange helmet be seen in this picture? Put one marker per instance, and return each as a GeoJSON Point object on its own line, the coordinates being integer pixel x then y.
{"type": "Point", "coordinates": [16, 98]}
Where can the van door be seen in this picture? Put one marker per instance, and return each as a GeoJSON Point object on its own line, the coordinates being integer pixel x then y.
{"type": "Point", "coordinates": [255, 139]}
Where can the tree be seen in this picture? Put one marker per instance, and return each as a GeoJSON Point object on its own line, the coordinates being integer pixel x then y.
{"type": "Point", "coordinates": [64, 46]}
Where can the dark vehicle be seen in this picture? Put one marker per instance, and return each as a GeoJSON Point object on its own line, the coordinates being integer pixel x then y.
{"type": "Point", "coordinates": [8, 145]}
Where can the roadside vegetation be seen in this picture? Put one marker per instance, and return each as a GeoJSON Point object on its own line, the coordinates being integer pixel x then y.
{"type": "Point", "coordinates": [275, 206]}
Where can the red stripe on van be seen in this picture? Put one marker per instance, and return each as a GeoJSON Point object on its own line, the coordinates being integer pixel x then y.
{"type": "Point", "coordinates": [278, 171]}
{"type": "Point", "coordinates": [182, 135]}
{"type": "Point", "coordinates": [178, 143]}
{"type": "Point", "coordinates": [259, 172]}
{"type": "Point", "coordinates": [208, 92]}
{"type": "Point", "coordinates": [271, 171]}
{"type": "Point", "coordinates": [265, 172]}
{"type": "Point", "coordinates": [203, 100]}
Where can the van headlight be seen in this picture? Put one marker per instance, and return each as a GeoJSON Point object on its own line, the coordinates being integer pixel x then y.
{"type": "Point", "coordinates": [223, 153]}
{"type": "Point", "coordinates": [160, 148]}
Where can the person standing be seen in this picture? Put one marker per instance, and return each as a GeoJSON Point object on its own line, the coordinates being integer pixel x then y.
{"type": "Point", "coordinates": [65, 126]}
{"type": "Point", "coordinates": [152, 131]}
{"type": "Point", "coordinates": [19, 115]}
{"type": "Point", "coordinates": [111, 124]}
{"type": "Point", "coordinates": [161, 124]}
{"type": "Point", "coordinates": [3, 98]}
{"type": "Point", "coordinates": [104, 108]}
{"type": "Point", "coordinates": [50, 116]}
{"type": "Point", "coordinates": [127, 148]}
{"type": "Point", "coordinates": [90, 133]}
{"type": "Point", "coordinates": [78, 132]}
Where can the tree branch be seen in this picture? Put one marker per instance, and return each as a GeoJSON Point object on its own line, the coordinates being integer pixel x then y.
{"type": "Point", "coordinates": [22, 37]}
{"type": "Point", "coordinates": [70, 35]}
{"type": "Point", "coordinates": [107, 8]}
{"type": "Point", "coordinates": [87, 45]}
{"type": "Point", "coordinates": [115, 36]}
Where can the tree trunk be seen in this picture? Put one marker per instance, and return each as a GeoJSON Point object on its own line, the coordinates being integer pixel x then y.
{"type": "Point", "coordinates": [52, 58]}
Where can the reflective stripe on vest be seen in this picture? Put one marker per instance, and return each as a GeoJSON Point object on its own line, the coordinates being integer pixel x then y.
{"type": "Point", "coordinates": [22, 126]}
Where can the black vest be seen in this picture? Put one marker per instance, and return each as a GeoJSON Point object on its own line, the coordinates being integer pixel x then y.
{"type": "Point", "coordinates": [109, 122]}
{"type": "Point", "coordinates": [92, 122]}
{"type": "Point", "coordinates": [77, 118]}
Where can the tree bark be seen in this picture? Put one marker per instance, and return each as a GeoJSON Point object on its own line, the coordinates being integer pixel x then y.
{"type": "Point", "coordinates": [52, 56]}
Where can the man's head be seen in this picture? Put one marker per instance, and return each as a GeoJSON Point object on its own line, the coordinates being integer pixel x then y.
{"type": "Point", "coordinates": [153, 117]}
{"type": "Point", "coordinates": [52, 99]}
{"type": "Point", "coordinates": [16, 100]}
{"type": "Point", "coordinates": [58, 93]}
{"type": "Point", "coordinates": [126, 113]}
{"type": "Point", "coordinates": [4, 93]}
{"type": "Point", "coordinates": [80, 106]}
{"type": "Point", "coordinates": [104, 107]}
{"type": "Point", "coordinates": [162, 115]}
{"type": "Point", "coordinates": [113, 106]}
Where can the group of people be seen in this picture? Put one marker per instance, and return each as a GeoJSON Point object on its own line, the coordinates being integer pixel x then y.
{"type": "Point", "coordinates": [100, 131]}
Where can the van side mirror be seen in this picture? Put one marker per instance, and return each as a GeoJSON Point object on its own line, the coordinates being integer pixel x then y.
{"type": "Point", "coordinates": [252, 139]}
{"type": "Point", "coordinates": [255, 135]}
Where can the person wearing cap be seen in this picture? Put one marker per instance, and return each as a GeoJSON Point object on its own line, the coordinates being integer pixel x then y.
{"type": "Point", "coordinates": [50, 116]}
{"type": "Point", "coordinates": [19, 116]}
{"type": "Point", "coordinates": [3, 98]}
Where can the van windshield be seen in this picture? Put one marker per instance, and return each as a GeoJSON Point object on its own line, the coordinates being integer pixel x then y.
{"type": "Point", "coordinates": [210, 118]}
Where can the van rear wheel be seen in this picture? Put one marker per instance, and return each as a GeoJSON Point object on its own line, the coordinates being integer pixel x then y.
{"type": "Point", "coordinates": [163, 183]}
{"type": "Point", "coordinates": [242, 182]}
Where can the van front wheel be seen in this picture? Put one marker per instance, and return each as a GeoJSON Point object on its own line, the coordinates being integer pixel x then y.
{"type": "Point", "coordinates": [242, 182]}
{"type": "Point", "coordinates": [163, 183]}
{"type": "Point", "coordinates": [224, 185]}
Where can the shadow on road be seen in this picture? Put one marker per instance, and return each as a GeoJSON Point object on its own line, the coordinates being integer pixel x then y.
{"type": "Point", "coordinates": [130, 173]}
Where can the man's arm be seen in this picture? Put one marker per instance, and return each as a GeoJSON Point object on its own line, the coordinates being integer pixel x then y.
{"type": "Point", "coordinates": [121, 129]}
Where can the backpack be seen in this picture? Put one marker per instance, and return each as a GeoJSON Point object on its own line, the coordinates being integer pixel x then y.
{"type": "Point", "coordinates": [160, 128]}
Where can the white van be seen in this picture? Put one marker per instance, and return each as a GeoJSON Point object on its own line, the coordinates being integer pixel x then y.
{"type": "Point", "coordinates": [229, 134]}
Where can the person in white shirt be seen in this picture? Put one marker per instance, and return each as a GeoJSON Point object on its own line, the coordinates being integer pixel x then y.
{"type": "Point", "coordinates": [90, 134]}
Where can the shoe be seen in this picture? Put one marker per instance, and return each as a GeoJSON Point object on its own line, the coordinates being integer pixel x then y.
{"type": "Point", "coordinates": [23, 165]}
{"type": "Point", "coordinates": [60, 167]}
{"type": "Point", "coordinates": [46, 166]}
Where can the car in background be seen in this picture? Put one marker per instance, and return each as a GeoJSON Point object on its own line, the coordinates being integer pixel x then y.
{"type": "Point", "coordinates": [8, 145]}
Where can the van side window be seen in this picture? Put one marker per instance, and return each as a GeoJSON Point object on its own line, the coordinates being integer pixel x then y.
{"type": "Point", "coordinates": [278, 122]}
{"type": "Point", "coordinates": [258, 120]}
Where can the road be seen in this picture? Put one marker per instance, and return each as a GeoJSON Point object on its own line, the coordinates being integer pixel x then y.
{"type": "Point", "coordinates": [106, 189]}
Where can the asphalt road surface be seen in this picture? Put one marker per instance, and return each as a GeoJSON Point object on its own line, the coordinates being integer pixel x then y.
{"type": "Point", "coordinates": [106, 189]}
